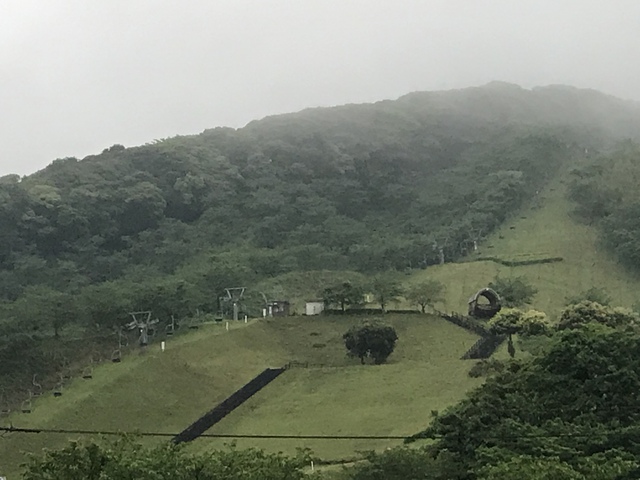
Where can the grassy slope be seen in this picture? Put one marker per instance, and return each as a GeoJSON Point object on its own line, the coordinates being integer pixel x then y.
{"type": "Point", "coordinates": [167, 391]}
{"type": "Point", "coordinates": [547, 230]}
{"type": "Point", "coordinates": [424, 374]}
{"type": "Point", "coordinates": [152, 392]}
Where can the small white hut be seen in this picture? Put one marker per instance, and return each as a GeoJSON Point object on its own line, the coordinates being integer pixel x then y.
{"type": "Point", "coordinates": [314, 307]}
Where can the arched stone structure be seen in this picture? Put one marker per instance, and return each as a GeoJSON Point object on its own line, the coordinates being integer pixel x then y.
{"type": "Point", "coordinates": [480, 310]}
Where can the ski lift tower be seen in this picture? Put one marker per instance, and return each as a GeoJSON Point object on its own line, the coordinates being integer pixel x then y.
{"type": "Point", "coordinates": [142, 321]}
{"type": "Point", "coordinates": [234, 295]}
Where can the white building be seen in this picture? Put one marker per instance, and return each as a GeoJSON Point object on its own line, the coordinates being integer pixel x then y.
{"type": "Point", "coordinates": [314, 307]}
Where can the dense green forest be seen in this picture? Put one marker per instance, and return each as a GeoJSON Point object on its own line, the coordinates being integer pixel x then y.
{"type": "Point", "coordinates": [394, 185]}
{"type": "Point", "coordinates": [605, 190]}
{"type": "Point", "coordinates": [572, 408]}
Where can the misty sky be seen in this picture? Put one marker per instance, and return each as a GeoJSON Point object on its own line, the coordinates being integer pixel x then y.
{"type": "Point", "coordinates": [77, 76]}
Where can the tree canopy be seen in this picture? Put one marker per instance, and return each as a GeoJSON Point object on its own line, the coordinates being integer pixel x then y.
{"type": "Point", "coordinates": [570, 409]}
{"type": "Point", "coordinates": [513, 291]}
{"type": "Point", "coordinates": [126, 459]}
{"type": "Point", "coordinates": [343, 295]}
{"type": "Point", "coordinates": [386, 288]}
{"type": "Point", "coordinates": [370, 340]}
{"type": "Point", "coordinates": [425, 294]}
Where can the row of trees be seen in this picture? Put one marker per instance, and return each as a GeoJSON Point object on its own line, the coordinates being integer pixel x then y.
{"type": "Point", "coordinates": [385, 289]}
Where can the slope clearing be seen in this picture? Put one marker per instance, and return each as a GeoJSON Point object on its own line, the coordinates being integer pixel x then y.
{"type": "Point", "coordinates": [165, 392]}
{"type": "Point", "coordinates": [545, 229]}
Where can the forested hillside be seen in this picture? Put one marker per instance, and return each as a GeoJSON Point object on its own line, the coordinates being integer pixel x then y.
{"type": "Point", "coordinates": [605, 190]}
{"type": "Point", "coordinates": [392, 185]}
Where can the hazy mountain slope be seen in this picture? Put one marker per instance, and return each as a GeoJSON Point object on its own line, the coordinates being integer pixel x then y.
{"type": "Point", "coordinates": [471, 111]}
{"type": "Point", "coordinates": [167, 226]}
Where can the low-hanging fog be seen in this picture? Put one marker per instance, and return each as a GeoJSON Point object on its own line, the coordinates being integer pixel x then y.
{"type": "Point", "coordinates": [78, 76]}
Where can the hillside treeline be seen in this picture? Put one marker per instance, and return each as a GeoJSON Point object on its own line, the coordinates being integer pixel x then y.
{"type": "Point", "coordinates": [605, 190]}
{"type": "Point", "coordinates": [305, 203]}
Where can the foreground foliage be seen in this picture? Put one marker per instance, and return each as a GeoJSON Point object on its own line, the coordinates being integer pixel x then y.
{"type": "Point", "coordinates": [127, 459]}
{"type": "Point", "coordinates": [574, 407]}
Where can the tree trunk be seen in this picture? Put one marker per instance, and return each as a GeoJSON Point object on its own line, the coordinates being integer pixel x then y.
{"type": "Point", "coordinates": [423, 307]}
{"type": "Point", "coordinates": [510, 347]}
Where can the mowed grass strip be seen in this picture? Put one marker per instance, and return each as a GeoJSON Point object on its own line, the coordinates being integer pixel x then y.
{"type": "Point", "coordinates": [425, 373]}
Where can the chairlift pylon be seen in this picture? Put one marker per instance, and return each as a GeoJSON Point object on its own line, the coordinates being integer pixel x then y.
{"type": "Point", "coordinates": [194, 323]}
{"type": "Point", "coordinates": [123, 340]}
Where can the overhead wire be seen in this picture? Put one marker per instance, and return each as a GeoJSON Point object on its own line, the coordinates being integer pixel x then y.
{"type": "Point", "coordinates": [72, 431]}
{"type": "Point", "coordinates": [12, 429]}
